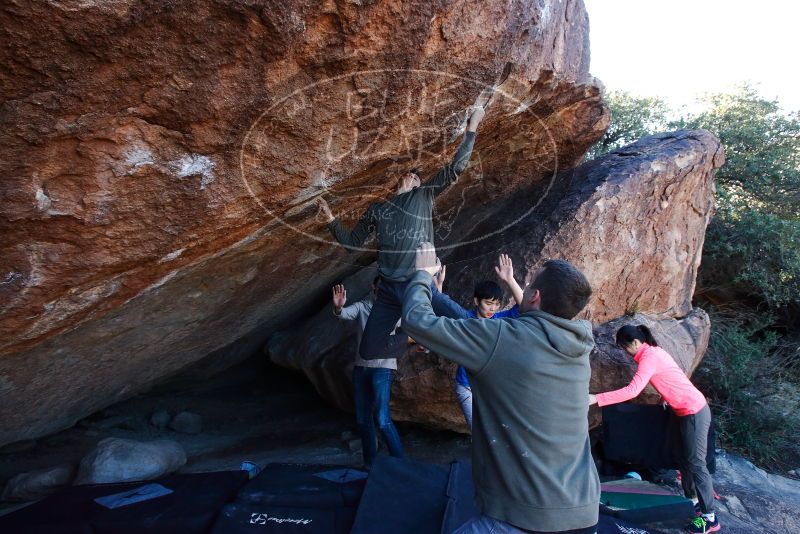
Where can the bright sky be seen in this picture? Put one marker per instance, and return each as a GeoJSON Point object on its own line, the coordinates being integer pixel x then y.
{"type": "Point", "coordinates": [678, 49]}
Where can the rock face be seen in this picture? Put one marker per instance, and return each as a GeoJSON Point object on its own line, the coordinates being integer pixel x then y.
{"type": "Point", "coordinates": [751, 498]}
{"type": "Point", "coordinates": [633, 221]}
{"type": "Point", "coordinates": [38, 484]}
{"type": "Point", "coordinates": [159, 164]}
{"type": "Point", "coordinates": [125, 460]}
{"type": "Point", "coordinates": [187, 423]}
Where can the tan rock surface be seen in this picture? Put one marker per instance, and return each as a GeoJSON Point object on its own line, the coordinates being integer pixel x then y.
{"type": "Point", "coordinates": [159, 162]}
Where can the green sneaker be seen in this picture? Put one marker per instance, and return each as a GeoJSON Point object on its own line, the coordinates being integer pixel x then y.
{"type": "Point", "coordinates": [701, 525]}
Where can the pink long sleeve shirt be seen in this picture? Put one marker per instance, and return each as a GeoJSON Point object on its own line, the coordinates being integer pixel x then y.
{"type": "Point", "coordinates": [657, 367]}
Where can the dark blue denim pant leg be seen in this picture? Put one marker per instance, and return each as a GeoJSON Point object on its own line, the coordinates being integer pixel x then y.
{"type": "Point", "coordinates": [364, 399]}
{"type": "Point", "coordinates": [382, 386]}
{"type": "Point", "coordinates": [377, 342]}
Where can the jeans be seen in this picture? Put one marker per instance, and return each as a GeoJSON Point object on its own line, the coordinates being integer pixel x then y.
{"type": "Point", "coordinates": [695, 478]}
{"type": "Point", "coordinates": [464, 396]}
{"type": "Point", "coordinates": [483, 524]}
{"type": "Point", "coordinates": [371, 389]}
{"type": "Point", "coordinates": [376, 342]}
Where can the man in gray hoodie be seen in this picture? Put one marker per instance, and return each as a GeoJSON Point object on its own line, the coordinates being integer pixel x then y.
{"type": "Point", "coordinates": [531, 459]}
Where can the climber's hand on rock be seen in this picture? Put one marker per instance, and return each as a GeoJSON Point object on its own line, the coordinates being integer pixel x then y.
{"type": "Point", "coordinates": [324, 211]}
{"type": "Point", "coordinates": [475, 118]}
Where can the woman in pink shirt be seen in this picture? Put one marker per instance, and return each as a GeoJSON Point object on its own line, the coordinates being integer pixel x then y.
{"type": "Point", "coordinates": [657, 367]}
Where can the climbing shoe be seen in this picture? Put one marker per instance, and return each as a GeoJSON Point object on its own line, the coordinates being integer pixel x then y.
{"type": "Point", "coordinates": [701, 525]}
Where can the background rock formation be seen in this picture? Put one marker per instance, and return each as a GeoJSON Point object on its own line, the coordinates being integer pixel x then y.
{"type": "Point", "coordinates": [160, 159]}
{"type": "Point", "coordinates": [633, 221]}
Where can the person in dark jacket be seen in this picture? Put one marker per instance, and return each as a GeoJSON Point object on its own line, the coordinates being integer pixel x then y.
{"type": "Point", "coordinates": [401, 223]}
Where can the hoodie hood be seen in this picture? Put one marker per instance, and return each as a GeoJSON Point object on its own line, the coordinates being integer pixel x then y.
{"type": "Point", "coordinates": [570, 337]}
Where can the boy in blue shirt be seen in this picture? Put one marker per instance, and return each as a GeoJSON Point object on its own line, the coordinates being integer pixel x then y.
{"type": "Point", "coordinates": [487, 299]}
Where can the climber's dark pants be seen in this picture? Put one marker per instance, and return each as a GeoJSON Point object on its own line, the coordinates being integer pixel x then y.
{"type": "Point", "coordinates": [377, 343]}
{"type": "Point", "coordinates": [695, 477]}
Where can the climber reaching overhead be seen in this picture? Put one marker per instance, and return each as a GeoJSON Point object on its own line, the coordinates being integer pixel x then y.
{"type": "Point", "coordinates": [401, 224]}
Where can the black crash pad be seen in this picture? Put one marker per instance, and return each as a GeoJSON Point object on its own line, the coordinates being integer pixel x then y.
{"type": "Point", "coordinates": [645, 436]}
{"type": "Point", "coordinates": [296, 499]}
{"type": "Point", "coordinates": [192, 507]}
{"type": "Point", "coordinates": [405, 496]}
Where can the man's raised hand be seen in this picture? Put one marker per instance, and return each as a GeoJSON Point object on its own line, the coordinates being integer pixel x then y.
{"type": "Point", "coordinates": [323, 210]}
{"type": "Point", "coordinates": [475, 118]}
{"type": "Point", "coordinates": [426, 259]}
{"type": "Point", "coordinates": [339, 298]}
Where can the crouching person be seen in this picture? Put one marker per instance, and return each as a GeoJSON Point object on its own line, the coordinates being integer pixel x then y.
{"type": "Point", "coordinates": [531, 460]}
{"type": "Point", "coordinates": [372, 381]}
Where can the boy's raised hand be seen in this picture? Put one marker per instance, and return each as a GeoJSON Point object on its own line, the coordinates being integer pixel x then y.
{"type": "Point", "coordinates": [339, 298]}
{"type": "Point", "coordinates": [426, 259]}
{"type": "Point", "coordinates": [504, 268]}
{"type": "Point", "coordinates": [438, 278]}
{"type": "Point", "coordinates": [505, 271]}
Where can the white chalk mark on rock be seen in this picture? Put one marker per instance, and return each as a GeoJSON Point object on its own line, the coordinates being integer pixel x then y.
{"type": "Point", "coordinates": [138, 156]}
{"type": "Point", "coordinates": [43, 202]}
{"type": "Point", "coordinates": [172, 255]}
{"type": "Point", "coordinates": [195, 164]}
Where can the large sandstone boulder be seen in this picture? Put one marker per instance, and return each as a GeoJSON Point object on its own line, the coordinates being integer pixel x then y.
{"type": "Point", "coordinates": [125, 460]}
{"type": "Point", "coordinates": [633, 221]}
{"type": "Point", "coordinates": [160, 161]}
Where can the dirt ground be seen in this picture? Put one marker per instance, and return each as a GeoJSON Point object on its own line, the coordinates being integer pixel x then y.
{"type": "Point", "coordinates": [262, 413]}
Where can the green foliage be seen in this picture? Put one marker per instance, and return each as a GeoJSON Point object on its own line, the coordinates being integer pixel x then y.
{"type": "Point", "coordinates": [632, 117]}
{"type": "Point", "coordinates": [762, 149]}
{"type": "Point", "coordinates": [756, 409]}
{"type": "Point", "coordinates": [755, 253]}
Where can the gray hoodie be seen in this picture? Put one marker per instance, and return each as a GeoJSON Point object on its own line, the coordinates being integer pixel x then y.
{"type": "Point", "coordinates": [531, 460]}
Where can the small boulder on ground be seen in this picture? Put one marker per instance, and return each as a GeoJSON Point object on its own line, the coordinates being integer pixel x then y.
{"type": "Point", "coordinates": [160, 419]}
{"type": "Point", "coordinates": [38, 484]}
{"type": "Point", "coordinates": [187, 423]}
{"type": "Point", "coordinates": [125, 460]}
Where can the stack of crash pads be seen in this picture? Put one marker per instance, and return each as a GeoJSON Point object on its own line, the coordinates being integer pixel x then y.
{"type": "Point", "coordinates": [295, 498]}
{"type": "Point", "coordinates": [646, 436]}
{"type": "Point", "coordinates": [403, 496]}
{"type": "Point", "coordinates": [178, 503]}
{"type": "Point", "coordinates": [399, 496]}
{"type": "Point", "coordinates": [642, 501]}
